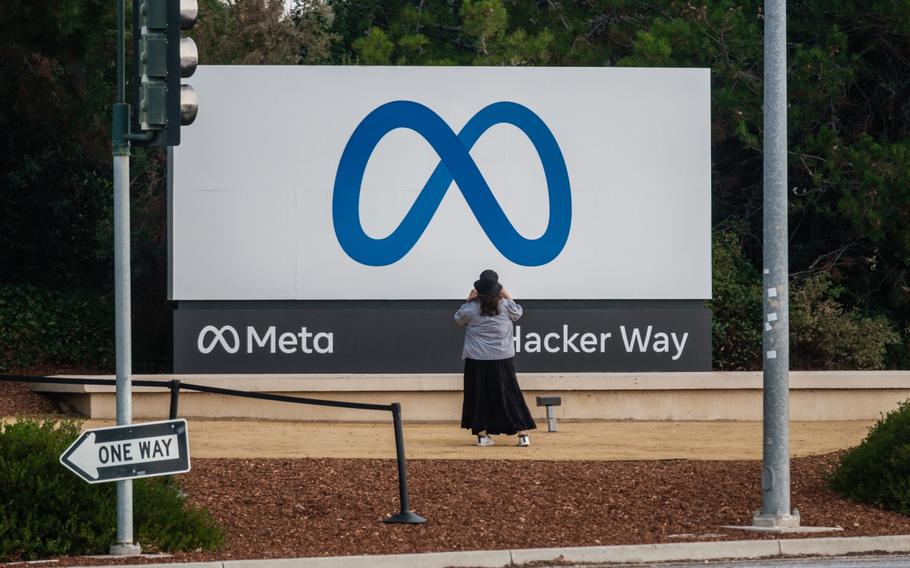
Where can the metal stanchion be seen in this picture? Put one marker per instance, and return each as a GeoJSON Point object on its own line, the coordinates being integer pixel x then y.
{"type": "Point", "coordinates": [406, 515]}
{"type": "Point", "coordinates": [174, 386]}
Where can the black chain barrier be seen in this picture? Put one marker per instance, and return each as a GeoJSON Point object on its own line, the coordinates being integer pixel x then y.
{"type": "Point", "coordinates": [404, 516]}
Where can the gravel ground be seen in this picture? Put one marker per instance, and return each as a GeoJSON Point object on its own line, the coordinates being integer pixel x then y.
{"type": "Point", "coordinates": [284, 508]}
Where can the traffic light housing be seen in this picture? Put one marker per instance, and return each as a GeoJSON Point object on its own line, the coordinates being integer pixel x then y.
{"type": "Point", "coordinates": [161, 58]}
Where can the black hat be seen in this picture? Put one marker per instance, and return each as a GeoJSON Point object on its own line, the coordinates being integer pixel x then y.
{"type": "Point", "coordinates": [488, 285]}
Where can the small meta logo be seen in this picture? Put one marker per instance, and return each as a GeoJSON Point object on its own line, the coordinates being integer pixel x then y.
{"type": "Point", "coordinates": [229, 340]}
{"type": "Point", "coordinates": [456, 164]}
{"type": "Point", "coordinates": [225, 336]}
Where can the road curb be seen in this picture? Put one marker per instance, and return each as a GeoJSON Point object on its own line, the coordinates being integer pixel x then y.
{"type": "Point", "coordinates": [631, 553]}
{"type": "Point", "coordinates": [694, 551]}
{"type": "Point", "coordinates": [833, 546]}
{"type": "Point", "coordinates": [472, 558]}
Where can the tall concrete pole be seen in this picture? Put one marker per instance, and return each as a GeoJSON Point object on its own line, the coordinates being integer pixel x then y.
{"type": "Point", "coordinates": [123, 328]}
{"type": "Point", "coordinates": [775, 511]}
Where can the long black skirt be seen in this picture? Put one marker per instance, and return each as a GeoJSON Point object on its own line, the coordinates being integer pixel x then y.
{"type": "Point", "coordinates": [492, 398]}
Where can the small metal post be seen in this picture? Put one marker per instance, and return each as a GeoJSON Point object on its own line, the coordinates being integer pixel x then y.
{"type": "Point", "coordinates": [406, 515]}
{"type": "Point", "coordinates": [175, 398]}
{"type": "Point", "coordinates": [549, 402]}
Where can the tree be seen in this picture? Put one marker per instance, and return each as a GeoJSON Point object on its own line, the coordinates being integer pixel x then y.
{"type": "Point", "coordinates": [259, 32]}
{"type": "Point", "coordinates": [849, 125]}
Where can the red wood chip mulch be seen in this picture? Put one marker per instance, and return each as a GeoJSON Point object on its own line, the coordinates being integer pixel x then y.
{"type": "Point", "coordinates": [324, 507]}
{"type": "Point", "coordinates": [18, 399]}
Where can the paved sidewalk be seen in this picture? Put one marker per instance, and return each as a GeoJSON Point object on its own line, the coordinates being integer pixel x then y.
{"type": "Point", "coordinates": [625, 554]}
{"type": "Point", "coordinates": [626, 440]}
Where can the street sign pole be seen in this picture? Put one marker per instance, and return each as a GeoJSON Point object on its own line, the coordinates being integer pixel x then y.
{"type": "Point", "coordinates": [179, 60]}
{"type": "Point", "coordinates": [125, 546]}
{"type": "Point", "coordinates": [775, 511]}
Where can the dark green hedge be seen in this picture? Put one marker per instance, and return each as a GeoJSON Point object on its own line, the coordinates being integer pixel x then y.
{"type": "Point", "coordinates": [41, 327]}
{"type": "Point", "coordinates": [47, 511]}
{"type": "Point", "coordinates": [878, 470]}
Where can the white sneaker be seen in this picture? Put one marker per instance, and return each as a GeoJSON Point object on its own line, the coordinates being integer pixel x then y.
{"type": "Point", "coordinates": [485, 441]}
{"type": "Point", "coordinates": [524, 440]}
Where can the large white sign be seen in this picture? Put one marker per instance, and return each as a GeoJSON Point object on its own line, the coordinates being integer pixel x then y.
{"type": "Point", "coordinates": [302, 183]}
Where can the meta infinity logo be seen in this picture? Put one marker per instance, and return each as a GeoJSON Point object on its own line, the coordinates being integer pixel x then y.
{"type": "Point", "coordinates": [270, 339]}
{"type": "Point", "coordinates": [455, 164]}
{"type": "Point", "coordinates": [220, 335]}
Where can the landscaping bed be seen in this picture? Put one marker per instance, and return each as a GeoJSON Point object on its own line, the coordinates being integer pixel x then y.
{"type": "Point", "coordinates": [18, 398]}
{"type": "Point", "coordinates": [282, 508]}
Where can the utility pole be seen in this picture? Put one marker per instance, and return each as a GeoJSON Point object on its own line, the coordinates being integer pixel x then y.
{"type": "Point", "coordinates": [775, 511]}
{"type": "Point", "coordinates": [125, 545]}
{"type": "Point", "coordinates": [160, 58]}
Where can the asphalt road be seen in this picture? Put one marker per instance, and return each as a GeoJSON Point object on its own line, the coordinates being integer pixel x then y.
{"type": "Point", "coordinates": [883, 561]}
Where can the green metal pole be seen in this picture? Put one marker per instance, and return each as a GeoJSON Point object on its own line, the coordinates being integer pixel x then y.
{"type": "Point", "coordinates": [121, 123]}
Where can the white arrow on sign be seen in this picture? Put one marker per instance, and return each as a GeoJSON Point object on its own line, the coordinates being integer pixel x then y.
{"type": "Point", "coordinates": [89, 456]}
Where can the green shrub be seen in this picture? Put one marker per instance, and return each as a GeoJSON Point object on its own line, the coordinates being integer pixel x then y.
{"type": "Point", "coordinates": [826, 335]}
{"type": "Point", "coordinates": [46, 511]}
{"type": "Point", "coordinates": [164, 521]}
{"type": "Point", "coordinates": [45, 327]}
{"type": "Point", "coordinates": [878, 470]}
{"type": "Point", "coordinates": [736, 305]}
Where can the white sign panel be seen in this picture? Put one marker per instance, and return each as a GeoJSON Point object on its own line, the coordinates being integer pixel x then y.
{"type": "Point", "coordinates": [317, 183]}
{"type": "Point", "coordinates": [128, 452]}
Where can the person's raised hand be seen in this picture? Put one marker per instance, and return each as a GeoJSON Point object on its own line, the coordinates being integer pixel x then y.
{"type": "Point", "coordinates": [505, 294]}
{"type": "Point", "coordinates": [472, 295]}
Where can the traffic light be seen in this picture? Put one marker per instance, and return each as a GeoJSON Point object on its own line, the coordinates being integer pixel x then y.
{"type": "Point", "coordinates": [161, 57]}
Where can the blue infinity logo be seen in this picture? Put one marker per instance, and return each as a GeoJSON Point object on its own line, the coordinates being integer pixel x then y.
{"type": "Point", "coordinates": [455, 164]}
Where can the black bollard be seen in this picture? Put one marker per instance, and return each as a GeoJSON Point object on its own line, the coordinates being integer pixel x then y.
{"type": "Point", "coordinates": [406, 515]}
{"type": "Point", "coordinates": [175, 398]}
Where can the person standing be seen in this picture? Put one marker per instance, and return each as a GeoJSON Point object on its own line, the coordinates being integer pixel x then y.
{"type": "Point", "coordinates": [493, 403]}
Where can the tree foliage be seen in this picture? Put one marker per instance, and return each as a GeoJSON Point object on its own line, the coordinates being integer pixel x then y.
{"type": "Point", "coordinates": [826, 335]}
{"type": "Point", "coordinates": [258, 32]}
{"type": "Point", "coordinates": [736, 303]}
{"type": "Point", "coordinates": [57, 82]}
{"type": "Point", "coordinates": [849, 95]}
{"type": "Point", "coordinates": [53, 124]}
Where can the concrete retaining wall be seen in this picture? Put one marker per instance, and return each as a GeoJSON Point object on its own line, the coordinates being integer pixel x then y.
{"type": "Point", "coordinates": [839, 395]}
